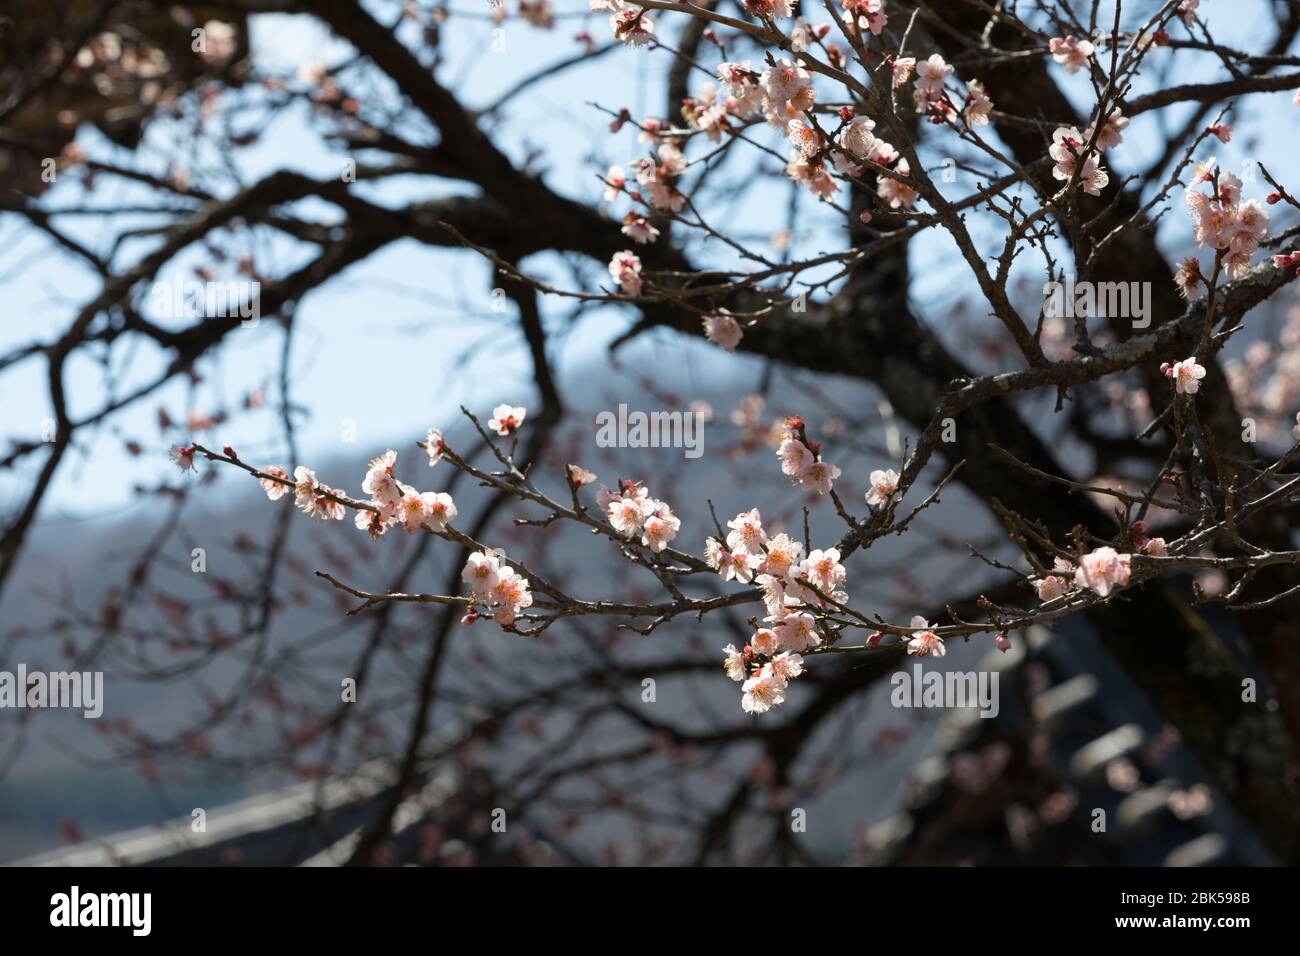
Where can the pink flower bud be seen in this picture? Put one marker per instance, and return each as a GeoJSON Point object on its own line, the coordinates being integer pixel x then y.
{"type": "Point", "coordinates": [1002, 642]}
{"type": "Point", "coordinates": [1273, 198]}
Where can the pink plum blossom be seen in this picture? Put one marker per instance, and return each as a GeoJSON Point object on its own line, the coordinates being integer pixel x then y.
{"type": "Point", "coordinates": [182, 457]}
{"type": "Point", "coordinates": [762, 692]}
{"type": "Point", "coordinates": [747, 533]}
{"type": "Point", "coordinates": [625, 268]}
{"type": "Point", "coordinates": [275, 490]}
{"type": "Point", "coordinates": [925, 641]}
{"type": "Point", "coordinates": [1053, 586]}
{"type": "Point", "coordinates": [1187, 376]}
{"type": "Point", "coordinates": [1103, 570]}
{"type": "Point", "coordinates": [884, 487]}
{"type": "Point", "coordinates": [723, 330]}
{"type": "Point", "coordinates": [733, 664]}
{"type": "Point", "coordinates": [481, 572]}
{"type": "Point", "coordinates": [1069, 52]}
{"type": "Point", "coordinates": [506, 419]}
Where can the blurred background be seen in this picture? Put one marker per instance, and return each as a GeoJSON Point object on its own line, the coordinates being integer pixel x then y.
{"type": "Point", "coordinates": [300, 149]}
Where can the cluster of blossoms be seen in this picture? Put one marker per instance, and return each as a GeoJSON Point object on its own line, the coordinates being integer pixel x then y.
{"type": "Point", "coordinates": [787, 90]}
{"type": "Point", "coordinates": [773, 655]}
{"type": "Point", "coordinates": [1102, 570]}
{"type": "Point", "coordinates": [930, 96]}
{"type": "Point", "coordinates": [764, 670]}
{"type": "Point", "coordinates": [398, 503]}
{"type": "Point", "coordinates": [1223, 222]}
{"type": "Point", "coordinates": [801, 459]}
{"type": "Point", "coordinates": [793, 586]}
{"type": "Point", "coordinates": [1069, 150]}
{"type": "Point", "coordinates": [783, 94]}
{"type": "Point", "coordinates": [1069, 147]}
{"type": "Point", "coordinates": [790, 586]}
{"type": "Point", "coordinates": [657, 189]}
{"type": "Point", "coordinates": [310, 495]}
{"type": "Point", "coordinates": [787, 580]}
{"type": "Point", "coordinates": [629, 24]}
{"type": "Point", "coordinates": [857, 138]}
{"type": "Point", "coordinates": [394, 502]}
{"type": "Point", "coordinates": [657, 179]}
{"type": "Point", "coordinates": [866, 15]}
{"type": "Point", "coordinates": [712, 115]}
{"type": "Point", "coordinates": [631, 511]}
{"type": "Point", "coordinates": [495, 587]}
{"type": "Point", "coordinates": [747, 96]}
